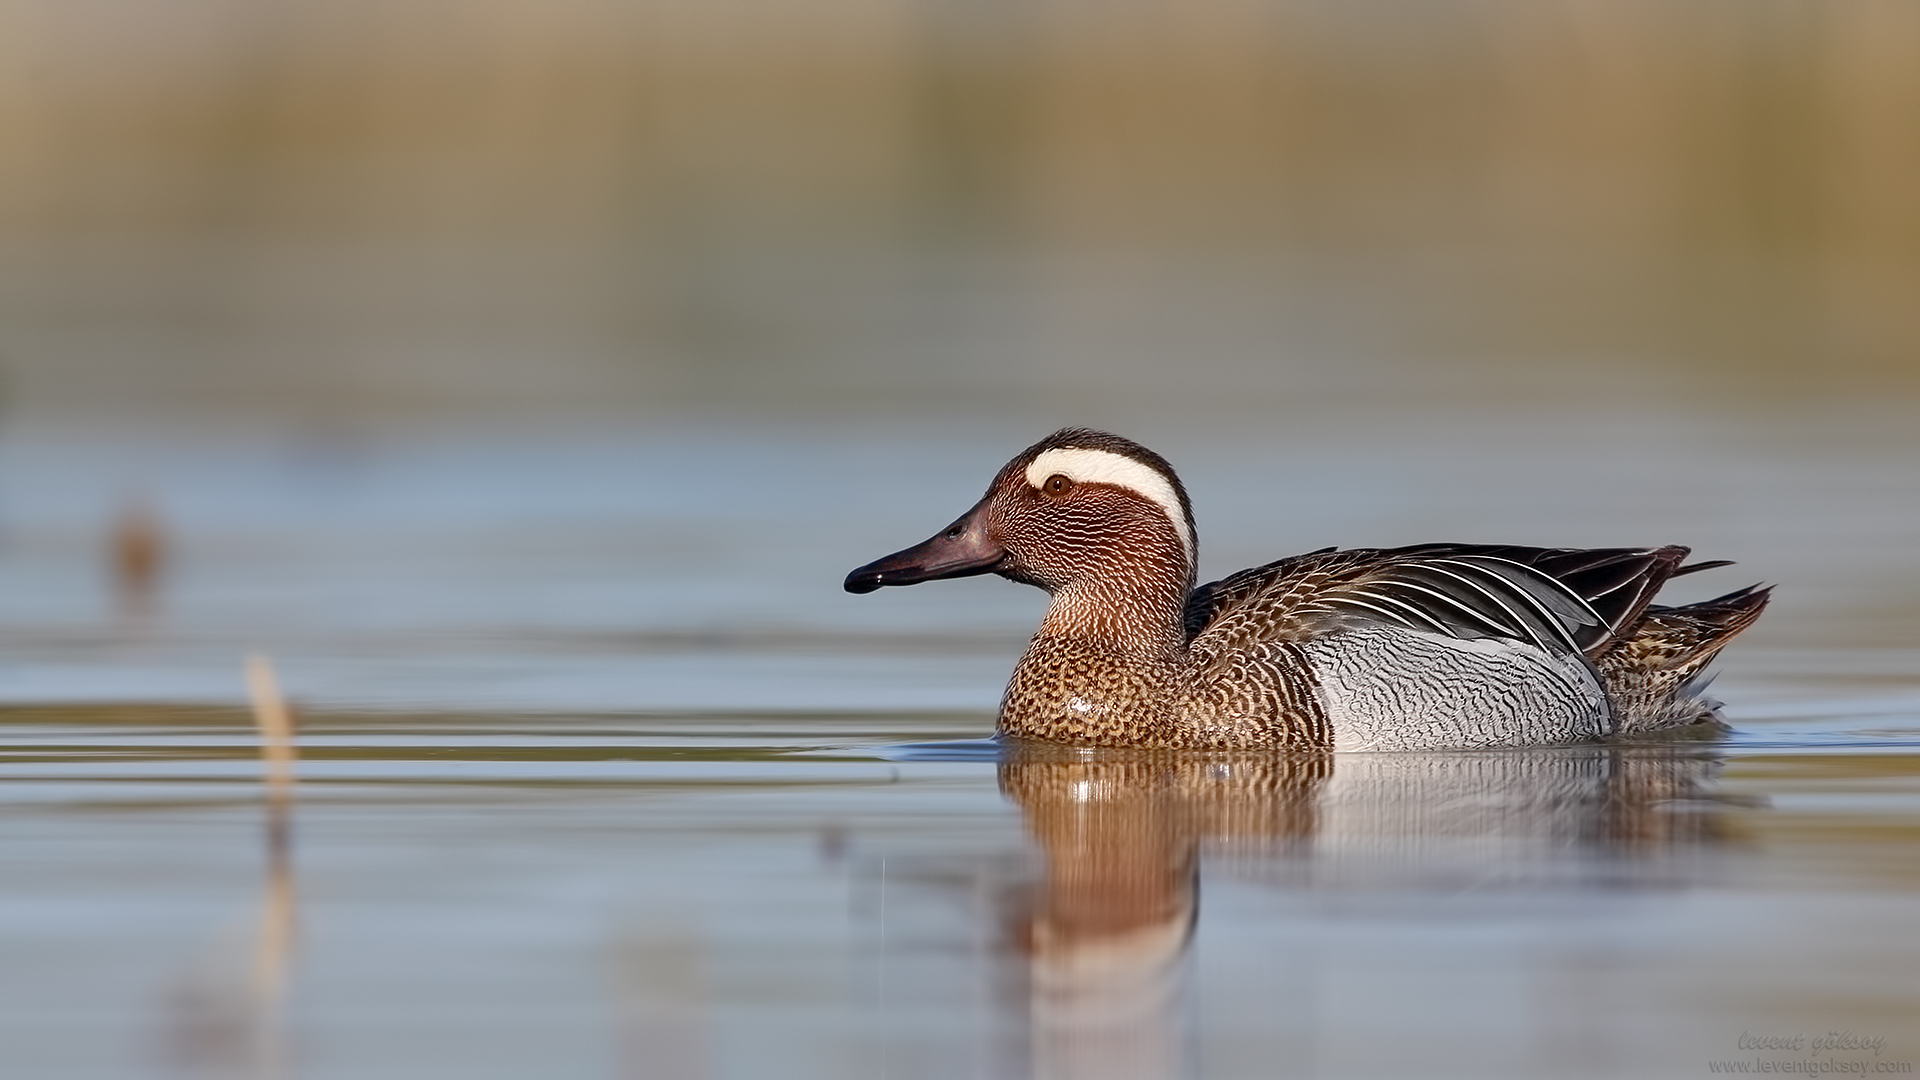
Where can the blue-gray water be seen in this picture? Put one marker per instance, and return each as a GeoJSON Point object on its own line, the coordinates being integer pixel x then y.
{"type": "Point", "coordinates": [602, 775]}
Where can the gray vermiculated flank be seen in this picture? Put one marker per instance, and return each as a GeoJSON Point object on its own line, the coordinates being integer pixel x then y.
{"type": "Point", "coordinates": [1384, 688]}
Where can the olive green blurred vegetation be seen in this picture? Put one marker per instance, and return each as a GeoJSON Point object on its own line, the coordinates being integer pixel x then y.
{"type": "Point", "coordinates": [355, 207]}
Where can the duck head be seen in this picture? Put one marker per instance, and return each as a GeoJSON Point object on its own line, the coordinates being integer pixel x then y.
{"type": "Point", "coordinates": [1076, 510]}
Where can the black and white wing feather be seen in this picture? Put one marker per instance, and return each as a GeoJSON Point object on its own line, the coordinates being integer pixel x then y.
{"type": "Point", "coordinates": [1557, 599]}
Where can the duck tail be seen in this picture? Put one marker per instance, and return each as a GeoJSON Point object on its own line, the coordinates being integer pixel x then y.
{"type": "Point", "coordinates": [1654, 673]}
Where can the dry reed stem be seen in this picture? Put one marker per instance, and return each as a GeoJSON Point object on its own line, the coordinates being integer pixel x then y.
{"type": "Point", "coordinates": [277, 922]}
{"type": "Point", "coordinates": [275, 721]}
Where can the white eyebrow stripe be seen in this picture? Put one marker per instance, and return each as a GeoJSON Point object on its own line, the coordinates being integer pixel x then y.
{"type": "Point", "coordinates": [1084, 466]}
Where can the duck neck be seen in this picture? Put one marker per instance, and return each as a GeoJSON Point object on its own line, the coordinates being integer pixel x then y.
{"type": "Point", "coordinates": [1139, 610]}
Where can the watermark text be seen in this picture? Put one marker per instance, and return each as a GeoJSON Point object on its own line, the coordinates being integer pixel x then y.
{"type": "Point", "coordinates": [1800, 1054]}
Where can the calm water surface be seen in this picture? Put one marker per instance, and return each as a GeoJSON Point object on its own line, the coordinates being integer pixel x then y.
{"type": "Point", "coordinates": [601, 775]}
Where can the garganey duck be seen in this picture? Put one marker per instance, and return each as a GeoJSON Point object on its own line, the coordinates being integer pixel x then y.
{"type": "Point", "coordinates": [1430, 647]}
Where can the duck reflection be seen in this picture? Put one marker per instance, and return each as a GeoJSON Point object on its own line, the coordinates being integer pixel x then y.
{"type": "Point", "coordinates": [1105, 935]}
{"type": "Point", "coordinates": [1099, 945]}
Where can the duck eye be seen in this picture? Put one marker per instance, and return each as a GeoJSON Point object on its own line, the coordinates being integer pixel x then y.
{"type": "Point", "coordinates": [1058, 484]}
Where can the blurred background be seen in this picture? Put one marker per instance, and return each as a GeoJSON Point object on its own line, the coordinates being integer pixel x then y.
{"type": "Point", "coordinates": [333, 214]}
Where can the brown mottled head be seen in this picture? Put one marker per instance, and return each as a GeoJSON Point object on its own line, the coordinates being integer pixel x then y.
{"type": "Point", "coordinates": [1077, 502]}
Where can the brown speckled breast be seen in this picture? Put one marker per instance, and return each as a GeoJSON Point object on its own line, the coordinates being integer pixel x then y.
{"type": "Point", "coordinates": [1077, 690]}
